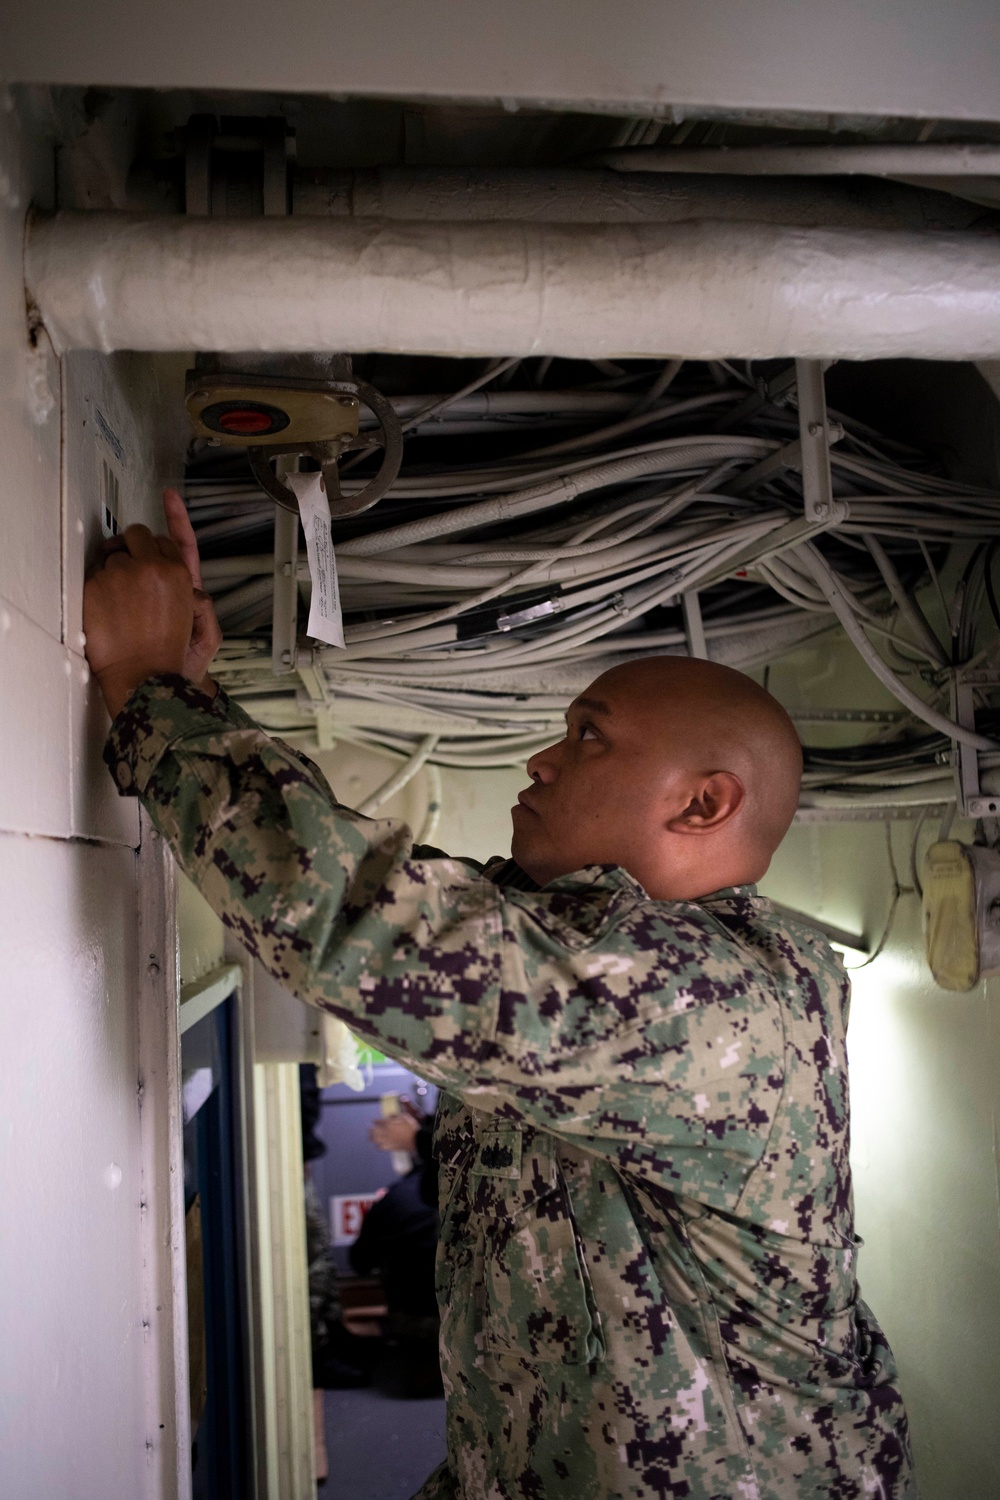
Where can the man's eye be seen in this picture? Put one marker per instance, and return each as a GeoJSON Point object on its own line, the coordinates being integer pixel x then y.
{"type": "Point", "coordinates": [588, 732]}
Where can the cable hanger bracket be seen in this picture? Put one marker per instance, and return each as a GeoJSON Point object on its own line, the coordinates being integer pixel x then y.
{"type": "Point", "coordinates": [972, 801]}
{"type": "Point", "coordinates": [815, 436]}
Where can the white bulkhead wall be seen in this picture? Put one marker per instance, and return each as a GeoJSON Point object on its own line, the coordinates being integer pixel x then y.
{"type": "Point", "coordinates": [75, 1397]}
{"type": "Point", "coordinates": [655, 57]}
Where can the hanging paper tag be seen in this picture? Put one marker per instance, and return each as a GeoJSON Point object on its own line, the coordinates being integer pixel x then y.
{"type": "Point", "coordinates": [326, 622]}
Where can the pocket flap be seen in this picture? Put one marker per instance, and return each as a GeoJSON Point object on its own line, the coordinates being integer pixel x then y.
{"type": "Point", "coordinates": [499, 1152]}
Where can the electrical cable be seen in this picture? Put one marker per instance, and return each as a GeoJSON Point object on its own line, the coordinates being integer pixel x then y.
{"type": "Point", "coordinates": [400, 778]}
{"type": "Point", "coordinates": [496, 576]}
{"type": "Point", "coordinates": [432, 817]}
{"type": "Point", "coordinates": [841, 606]}
{"type": "Point", "coordinates": [988, 580]}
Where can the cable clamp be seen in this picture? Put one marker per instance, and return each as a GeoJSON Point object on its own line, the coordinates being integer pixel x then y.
{"type": "Point", "coordinates": [527, 615]}
{"type": "Point", "coordinates": [972, 802]}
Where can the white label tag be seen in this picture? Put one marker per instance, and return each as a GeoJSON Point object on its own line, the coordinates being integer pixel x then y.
{"type": "Point", "coordinates": [326, 621]}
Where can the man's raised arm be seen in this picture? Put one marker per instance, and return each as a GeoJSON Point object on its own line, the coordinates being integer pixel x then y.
{"type": "Point", "coordinates": [504, 998]}
{"type": "Point", "coordinates": [331, 902]}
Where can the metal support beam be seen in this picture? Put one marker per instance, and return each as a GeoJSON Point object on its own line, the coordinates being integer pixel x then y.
{"type": "Point", "coordinates": [972, 801]}
{"type": "Point", "coordinates": [694, 627]}
{"type": "Point", "coordinates": [284, 627]}
{"type": "Point", "coordinates": [310, 670]}
{"type": "Point", "coordinates": [814, 440]}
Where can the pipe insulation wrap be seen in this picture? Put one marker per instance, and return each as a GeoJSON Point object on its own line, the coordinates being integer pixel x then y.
{"type": "Point", "coordinates": [571, 195]}
{"type": "Point", "coordinates": [704, 290]}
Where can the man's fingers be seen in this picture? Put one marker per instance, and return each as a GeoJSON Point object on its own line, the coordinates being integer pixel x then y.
{"type": "Point", "coordinates": [170, 550]}
{"type": "Point", "coordinates": [182, 533]}
{"type": "Point", "coordinates": [109, 545]}
{"type": "Point", "coordinates": [206, 632]}
{"type": "Point", "coordinates": [139, 542]}
{"type": "Point", "coordinates": [134, 544]}
{"type": "Point", "coordinates": [145, 547]}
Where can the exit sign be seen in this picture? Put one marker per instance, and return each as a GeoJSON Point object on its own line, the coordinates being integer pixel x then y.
{"type": "Point", "coordinates": [347, 1214]}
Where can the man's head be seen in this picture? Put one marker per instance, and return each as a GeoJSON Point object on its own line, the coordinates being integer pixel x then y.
{"type": "Point", "coordinates": [683, 772]}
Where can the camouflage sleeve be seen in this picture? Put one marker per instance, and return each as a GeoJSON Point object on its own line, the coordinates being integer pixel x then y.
{"type": "Point", "coordinates": [335, 905]}
{"type": "Point", "coordinates": [516, 1002]}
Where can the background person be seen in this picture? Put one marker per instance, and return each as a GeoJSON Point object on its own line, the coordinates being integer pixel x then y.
{"type": "Point", "coordinates": [398, 1239]}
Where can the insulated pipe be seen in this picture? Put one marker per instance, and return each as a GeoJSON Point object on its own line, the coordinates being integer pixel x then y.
{"type": "Point", "coordinates": [812, 161]}
{"type": "Point", "coordinates": [574, 196]}
{"type": "Point", "coordinates": [704, 291]}
{"type": "Point", "coordinates": [571, 195]}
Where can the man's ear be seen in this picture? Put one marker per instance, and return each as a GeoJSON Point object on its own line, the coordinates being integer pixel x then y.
{"type": "Point", "coordinates": [717, 799]}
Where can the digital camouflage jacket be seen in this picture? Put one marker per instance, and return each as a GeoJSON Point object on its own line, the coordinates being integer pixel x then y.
{"type": "Point", "coordinates": [647, 1259]}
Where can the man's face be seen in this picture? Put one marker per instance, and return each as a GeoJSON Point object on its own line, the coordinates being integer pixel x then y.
{"type": "Point", "coordinates": [602, 794]}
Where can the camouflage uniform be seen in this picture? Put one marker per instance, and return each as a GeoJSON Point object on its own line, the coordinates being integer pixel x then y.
{"type": "Point", "coordinates": [325, 1312]}
{"type": "Point", "coordinates": [647, 1264]}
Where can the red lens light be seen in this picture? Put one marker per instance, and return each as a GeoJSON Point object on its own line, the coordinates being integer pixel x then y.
{"type": "Point", "coordinates": [246, 422]}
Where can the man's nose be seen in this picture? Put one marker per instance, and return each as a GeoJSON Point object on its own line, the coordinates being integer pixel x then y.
{"type": "Point", "coordinates": [544, 764]}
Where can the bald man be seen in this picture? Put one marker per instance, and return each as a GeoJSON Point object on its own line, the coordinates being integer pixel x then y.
{"type": "Point", "coordinates": [646, 1272]}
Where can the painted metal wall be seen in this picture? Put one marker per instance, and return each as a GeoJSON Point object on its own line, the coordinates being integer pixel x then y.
{"type": "Point", "coordinates": [74, 1373]}
{"type": "Point", "coordinates": [925, 1094]}
{"type": "Point", "coordinates": [925, 1098]}
{"type": "Point", "coordinates": [906, 57]}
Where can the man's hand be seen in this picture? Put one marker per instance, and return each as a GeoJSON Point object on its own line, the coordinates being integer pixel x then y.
{"type": "Point", "coordinates": [397, 1133]}
{"type": "Point", "coordinates": [206, 637]}
{"type": "Point", "coordinates": [138, 614]}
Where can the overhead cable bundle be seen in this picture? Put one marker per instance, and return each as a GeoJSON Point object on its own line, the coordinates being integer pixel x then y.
{"type": "Point", "coordinates": [504, 570]}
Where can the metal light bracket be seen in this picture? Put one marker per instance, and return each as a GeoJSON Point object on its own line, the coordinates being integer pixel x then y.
{"type": "Point", "coordinates": [299, 414]}
{"type": "Point", "coordinates": [315, 418]}
{"type": "Point", "coordinates": [389, 437]}
{"type": "Point", "coordinates": [302, 411]}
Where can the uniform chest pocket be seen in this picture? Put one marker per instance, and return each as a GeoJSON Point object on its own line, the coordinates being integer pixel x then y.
{"type": "Point", "coordinates": [540, 1303]}
{"type": "Point", "coordinates": [498, 1153]}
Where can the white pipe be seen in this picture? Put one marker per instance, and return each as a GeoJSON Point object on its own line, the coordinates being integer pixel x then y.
{"type": "Point", "coordinates": [573, 196]}
{"type": "Point", "coordinates": [703, 290]}
{"type": "Point", "coordinates": [814, 161]}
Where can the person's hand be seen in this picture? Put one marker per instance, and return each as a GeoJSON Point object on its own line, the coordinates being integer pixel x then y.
{"type": "Point", "coordinates": [138, 614]}
{"type": "Point", "coordinates": [397, 1133]}
{"type": "Point", "coordinates": [206, 637]}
